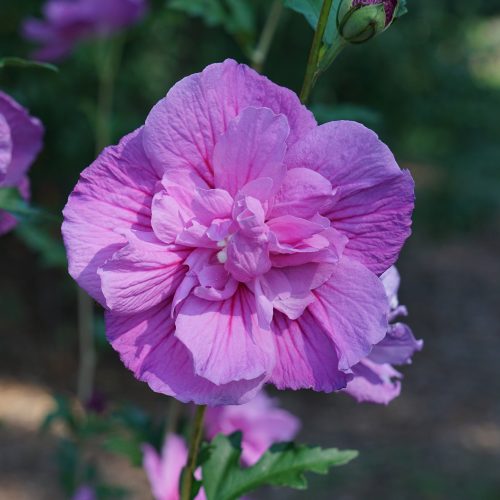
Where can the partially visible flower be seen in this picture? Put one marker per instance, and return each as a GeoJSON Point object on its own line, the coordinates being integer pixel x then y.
{"type": "Point", "coordinates": [20, 142]}
{"type": "Point", "coordinates": [164, 471]}
{"type": "Point", "coordinates": [84, 492]}
{"type": "Point", "coordinates": [235, 242]}
{"type": "Point", "coordinates": [69, 21]}
{"type": "Point", "coordinates": [260, 421]}
{"type": "Point", "coordinates": [360, 20]}
{"type": "Point", "coordinates": [375, 379]}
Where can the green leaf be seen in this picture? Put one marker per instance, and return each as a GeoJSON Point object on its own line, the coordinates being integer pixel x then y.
{"type": "Point", "coordinates": [237, 17]}
{"type": "Point", "coordinates": [326, 113]}
{"type": "Point", "coordinates": [125, 445]}
{"type": "Point", "coordinates": [23, 63]}
{"type": "Point", "coordinates": [311, 9]}
{"type": "Point", "coordinates": [283, 464]}
{"type": "Point", "coordinates": [39, 239]}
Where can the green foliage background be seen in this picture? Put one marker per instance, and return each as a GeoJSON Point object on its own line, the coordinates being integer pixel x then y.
{"type": "Point", "coordinates": [429, 86]}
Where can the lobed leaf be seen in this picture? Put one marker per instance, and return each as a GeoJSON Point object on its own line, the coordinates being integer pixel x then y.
{"type": "Point", "coordinates": [283, 464]}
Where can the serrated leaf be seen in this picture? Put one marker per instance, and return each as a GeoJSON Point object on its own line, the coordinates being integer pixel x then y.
{"type": "Point", "coordinates": [283, 464]}
{"type": "Point", "coordinates": [311, 9]}
{"type": "Point", "coordinates": [24, 63]}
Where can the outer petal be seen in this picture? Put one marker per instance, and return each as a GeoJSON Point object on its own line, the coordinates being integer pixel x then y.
{"type": "Point", "coordinates": [114, 194]}
{"type": "Point", "coordinates": [224, 338]}
{"type": "Point", "coordinates": [306, 357]}
{"type": "Point", "coordinates": [182, 130]}
{"type": "Point", "coordinates": [374, 197]}
{"type": "Point", "coordinates": [352, 307]}
{"type": "Point", "coordinates": [26, 135]}
{"type": "Point", "coordinates": [374, 383]}
{"type": "Point", "coordinates": [253, 147]}
{"type": "Point", "coordinates": [147, 346]}
{"type": "Point", "coordinates": [141, 274]}
{"type": "Point", "coordinates": [398, 346]}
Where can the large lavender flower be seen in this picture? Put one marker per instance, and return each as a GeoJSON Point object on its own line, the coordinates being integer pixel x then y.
{"type": "Point", "coordinates": [234, 242]}
{"type": "Point", "coordinates": [20, 143]}
{"type": "Point", "coordinates": [69, 21]}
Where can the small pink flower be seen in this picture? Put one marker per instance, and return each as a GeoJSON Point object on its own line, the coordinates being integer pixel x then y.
{"type": "Point", "coordinates": [69, 21]}
{"type": "Point", "coordinates": [260, 421]}
{"type": "Point", "coordinates": [234, 242]}
{"type": "Point", "coordinates": [375, 380]}
{"type": "Point", "coordinates": [164, 471]}
{"type": "Point", "coordinates": [20, 142]}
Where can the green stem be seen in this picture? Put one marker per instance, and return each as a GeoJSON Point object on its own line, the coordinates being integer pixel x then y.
{"type": "Point", "coordinates": [260, 53]}
{"type": "Point", "coordinates": [312, 63]}
{"type": "Point", "coordinates": [107, 67]}
{"type": "Point", "coordinates": [194, 448]}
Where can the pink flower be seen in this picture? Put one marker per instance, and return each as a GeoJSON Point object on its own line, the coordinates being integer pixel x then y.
{"type": "Point", "coordinates": [164, 471]}
{"type": "Point", "coordinates": [375, 380]}
{"type": "Point", "coordinates": [20, 142]}
{"type": "Point", "coordinates": [260, 421]}
{"type": "Point", "coordinates": [69, 21]}
{"type": "Point", "coordinates": [234, 242]}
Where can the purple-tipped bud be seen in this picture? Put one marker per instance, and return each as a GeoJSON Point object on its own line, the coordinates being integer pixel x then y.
{"type": "Point", "coordinates": [360, 20]}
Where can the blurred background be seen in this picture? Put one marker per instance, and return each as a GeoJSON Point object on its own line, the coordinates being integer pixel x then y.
{"type": "Point", "coordinates": [430, 86]}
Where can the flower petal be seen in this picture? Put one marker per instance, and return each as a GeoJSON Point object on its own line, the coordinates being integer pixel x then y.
{"type": "Point", "coordinates": [148, 346]}
{"type": "Point", "coordinates": [304, 193]}
{"type": "Point", "coordinates": [5, 147]}
{"type": "Point", "coordinates": [374, 383]}
{"type": "Point", "coordinates": [164, 471]}
{"type": "Point", "coordinates": [182, 129]}
{"type": "Point", "coordinates": [167, 218]}
{"type": "Point", "coordinates": [112, 195]}
{"type": "Point", "coordinates": [374, 198]}
{"type": "Point", "coordinates": [210, 204]}
{"type": "Point", "coordinates": [398, 346]}
{"type": "Point", "coordinates": [26, 135]}
{"type": "Point", "coordinates": [253, 147]}
{"type": "Point", "coordinates": [142, 273]}
{"type": "Point", "coordinates": [352, 307]}
{"type": "Point", "coordinates": [306, 357]}
{"type": "Point", "coordinates": [225, 339]}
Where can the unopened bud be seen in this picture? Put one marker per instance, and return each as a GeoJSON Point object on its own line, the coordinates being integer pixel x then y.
{"type": "Point", "coordinates": [360, 20]}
